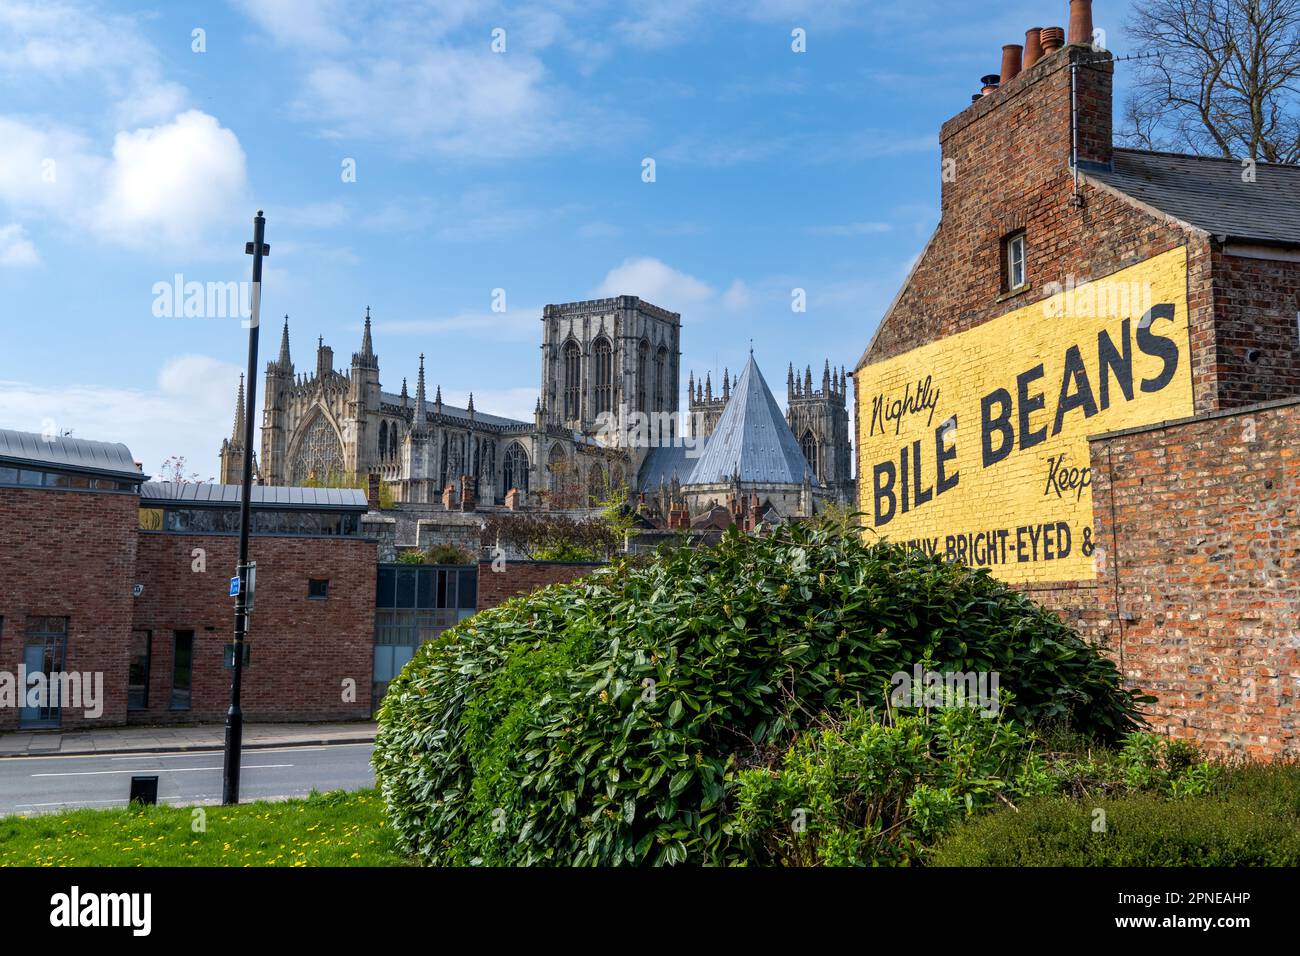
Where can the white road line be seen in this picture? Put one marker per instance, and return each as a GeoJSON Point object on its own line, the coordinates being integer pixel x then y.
{"type": "Point", "coordinates": [67, 803]}
{"type": "Point", "coordinates": [99, 773]}
{"type": "Point", "coordinates": [247, 752]}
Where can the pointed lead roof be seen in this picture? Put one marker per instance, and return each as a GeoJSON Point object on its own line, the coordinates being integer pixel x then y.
{"type": "Point", "coordinates": [751, 439]}
{"type": "Point", "coordinates": [419, 420]}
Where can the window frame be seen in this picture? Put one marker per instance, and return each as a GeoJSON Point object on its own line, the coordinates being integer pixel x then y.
{"type": "Point", "coordinates": [1010, 242]}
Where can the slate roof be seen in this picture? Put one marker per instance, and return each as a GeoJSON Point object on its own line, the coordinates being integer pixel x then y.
{"type": "Point", "coordinates": [751, 439]}
{"type": "Point", "coordinates": [71, 454]}
{"type": "Point", "coordinates": [263, 496]}
{"type": "Point", "coordinates": [452, 411]}
{"type": "Point", "coordinates": [661, 465]}
{"type": "Point", "coordinates": [1208, 193]}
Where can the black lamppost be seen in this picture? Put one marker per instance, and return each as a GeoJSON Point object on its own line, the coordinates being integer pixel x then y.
{"type": "Point", "coordinates": [234, 716]}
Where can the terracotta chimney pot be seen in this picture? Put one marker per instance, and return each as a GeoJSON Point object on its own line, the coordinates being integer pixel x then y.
{"type": "Point", "coordinates": [1033, 46]}
{"type": "Point", "coordinates": [1011, 61]}
{"type": "Point", "coordinates": [1052, 39]}
{"type": "Point", "coordinates": [1081, 21]}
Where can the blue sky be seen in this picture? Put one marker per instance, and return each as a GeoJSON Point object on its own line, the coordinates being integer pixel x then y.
{"type": "Point", "coordinates": [127, 158]}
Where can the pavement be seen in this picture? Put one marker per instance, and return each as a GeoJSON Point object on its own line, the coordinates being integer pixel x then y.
{"type": "Point", "coordinates": [143, 740]}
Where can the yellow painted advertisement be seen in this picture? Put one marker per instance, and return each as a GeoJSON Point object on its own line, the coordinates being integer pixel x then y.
{"type": "Point", "coordinates": [974, 448]}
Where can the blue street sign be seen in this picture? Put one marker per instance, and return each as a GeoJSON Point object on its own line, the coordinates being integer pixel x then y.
{"type": "Point", "coordinates": [234, 586]}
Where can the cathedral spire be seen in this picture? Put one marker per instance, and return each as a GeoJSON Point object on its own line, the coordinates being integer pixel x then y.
{"type": "Point", "coordinates": [237, 436]}
{"type": "Point", "coordinates": [419, 397]}
{"type": "Point", "coordinates": [726, 383]}
{"type": "Point", "coordinates": [283, 361]}
{"type": "Point", "coordinates": [437, 400]}
{"type": "Point", "coordinates": [404, 395]}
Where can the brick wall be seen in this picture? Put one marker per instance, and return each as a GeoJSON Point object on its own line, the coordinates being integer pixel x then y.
{"type": "Point", "coordinates": [302, 650]}
{"type": "Point", "coordinates": [522, 577]}
{"type": "Point", "coordinates": [1199, 591]}
{"type": "Point", "coordinates": [1256, 308]}
{"type": "Point", "coordinates": [70, 554]}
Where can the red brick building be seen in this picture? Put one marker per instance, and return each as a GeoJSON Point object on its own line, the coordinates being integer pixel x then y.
{"type": "Point", "coordinates": [1087, 384]}
{"type": "Point", "coordinates": [125, 583]}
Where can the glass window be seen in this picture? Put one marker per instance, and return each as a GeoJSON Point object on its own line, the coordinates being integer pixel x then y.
{"type": "Point", "coordinates": [318, 589]}
{"type": "Point", "coordinates": [1015, 257]}
{"type": "Point", "coordinates": [468, 588]}
{"type": "Point", "coordinates": [28, 477]}
{"type": "Point", "coordinates": [182, 670]}
{"type": "Point", "coordinates": [8, 476]}
{"type": "Point", "coordinates": [406, 578]}
{"type": "Point", "coordinates": [384, 587]}
{"type": "Point", "coordinates": [137, 682]}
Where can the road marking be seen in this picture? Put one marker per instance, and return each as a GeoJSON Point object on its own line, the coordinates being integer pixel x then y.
{"type": "Point", "coordinates": [99, 773]}
{"type": "Point", "coordinates": [247, 751]}
{"type": "Point", "coordinates": [65, 803]}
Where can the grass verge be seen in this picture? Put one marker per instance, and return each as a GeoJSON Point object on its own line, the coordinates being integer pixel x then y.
{"type": "Point", "coordinates": [329, 829]}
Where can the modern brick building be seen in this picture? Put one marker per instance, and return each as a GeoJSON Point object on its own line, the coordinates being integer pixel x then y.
{"type": "Point", "coordinates": [102, 573]}
{"type": "Point", "coordinates": [1088, 385]}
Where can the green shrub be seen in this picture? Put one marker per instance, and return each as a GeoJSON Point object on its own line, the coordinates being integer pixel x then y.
{"type": "Point", "coordinates": [598, 722]}
{"type": "Point", "coordinates": [1144, 829]}
{"type": "Point", "coordinates": [867, 793]}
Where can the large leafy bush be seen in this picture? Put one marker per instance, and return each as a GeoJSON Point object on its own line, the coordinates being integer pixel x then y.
{"type": "Point", "coordinates": [600, 722]}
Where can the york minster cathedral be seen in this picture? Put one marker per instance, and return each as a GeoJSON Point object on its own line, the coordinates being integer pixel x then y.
{"type": "Point", "coordinates": [602, 361]}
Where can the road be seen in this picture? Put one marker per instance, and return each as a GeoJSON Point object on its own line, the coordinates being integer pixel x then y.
{"type": "Point", "coordinates": [43, 784]}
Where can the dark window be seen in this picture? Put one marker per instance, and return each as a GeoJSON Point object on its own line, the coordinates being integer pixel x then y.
{"type": "Point", "coordinates": [515, 472]}
{"type": "Point", "coordinates": [643, 377]}
{"type": "Point", "coordinates": [318, 588]}
{"type": "Point", "coordinates": [182, 669]}
{"type": "Point", "coordinates": [572, 381]}
{"type": "Point", "coordinates": [808, 444]}
{"type": "Point", "coordinates": [137, 682]}
{"type": "Point", "coordinates": [604, 375]}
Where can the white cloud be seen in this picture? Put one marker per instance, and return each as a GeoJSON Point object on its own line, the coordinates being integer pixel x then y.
{"type": "Point", "coordinates": [170, 181]}
{"type": "Point", "coordinates": [655, 282]}
{"type": "Point", "coordinates": [63, 44]}
{"type": "Point", "coordinates": [16, 250]}
{"type": "Point", "coordinates": [188, 412]}
{"type": "Point", "coordinates": [444, 101]}
{"type": "Point", "coordinates": [738, 296]}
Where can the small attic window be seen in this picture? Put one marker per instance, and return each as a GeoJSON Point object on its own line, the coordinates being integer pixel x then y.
{"type": "Point", "coordinates": [1013, 260]}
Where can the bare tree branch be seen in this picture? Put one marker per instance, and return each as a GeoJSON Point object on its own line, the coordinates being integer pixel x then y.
{"type": "Point", "coordinates": [1224, 78]}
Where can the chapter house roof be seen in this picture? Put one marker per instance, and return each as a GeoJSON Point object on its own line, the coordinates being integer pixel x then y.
{"type": "Point", "coordinates": [751, 439]}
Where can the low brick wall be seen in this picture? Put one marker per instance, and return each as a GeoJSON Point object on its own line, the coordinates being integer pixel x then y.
{"type": "Point", "coordinates": [1199, 584]}
{"type": "Point", "coordinates": [523, 577]}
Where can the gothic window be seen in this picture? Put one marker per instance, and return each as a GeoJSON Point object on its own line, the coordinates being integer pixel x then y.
{"type": "Point", "coordinates": [661, 370]}
{"type": "Point", "coordinates": [392, 441]}
{"type": "Point", "coordinates": [809, 445]}
{"type": "Point", "coordinates": [557, 467]}
{"type": "Point", "coordinates": [572, 381]}
{"type": "Point", "coordinates": [515, 472]}
{"type": "Point", "coordinates": [616, 476]}
{"type": "Point", "coordinates": [488, 462]}
{"type": "Point", "coordinates": [383, 440]}
{"type": "Point", "coordinates": [320, 455]}
{"type": "Point", "coordinates": [643, 377]}
{"type": "Point", "coordinates": [604, 375]}
{"type": "Point", "coordinates": [596, 484]}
